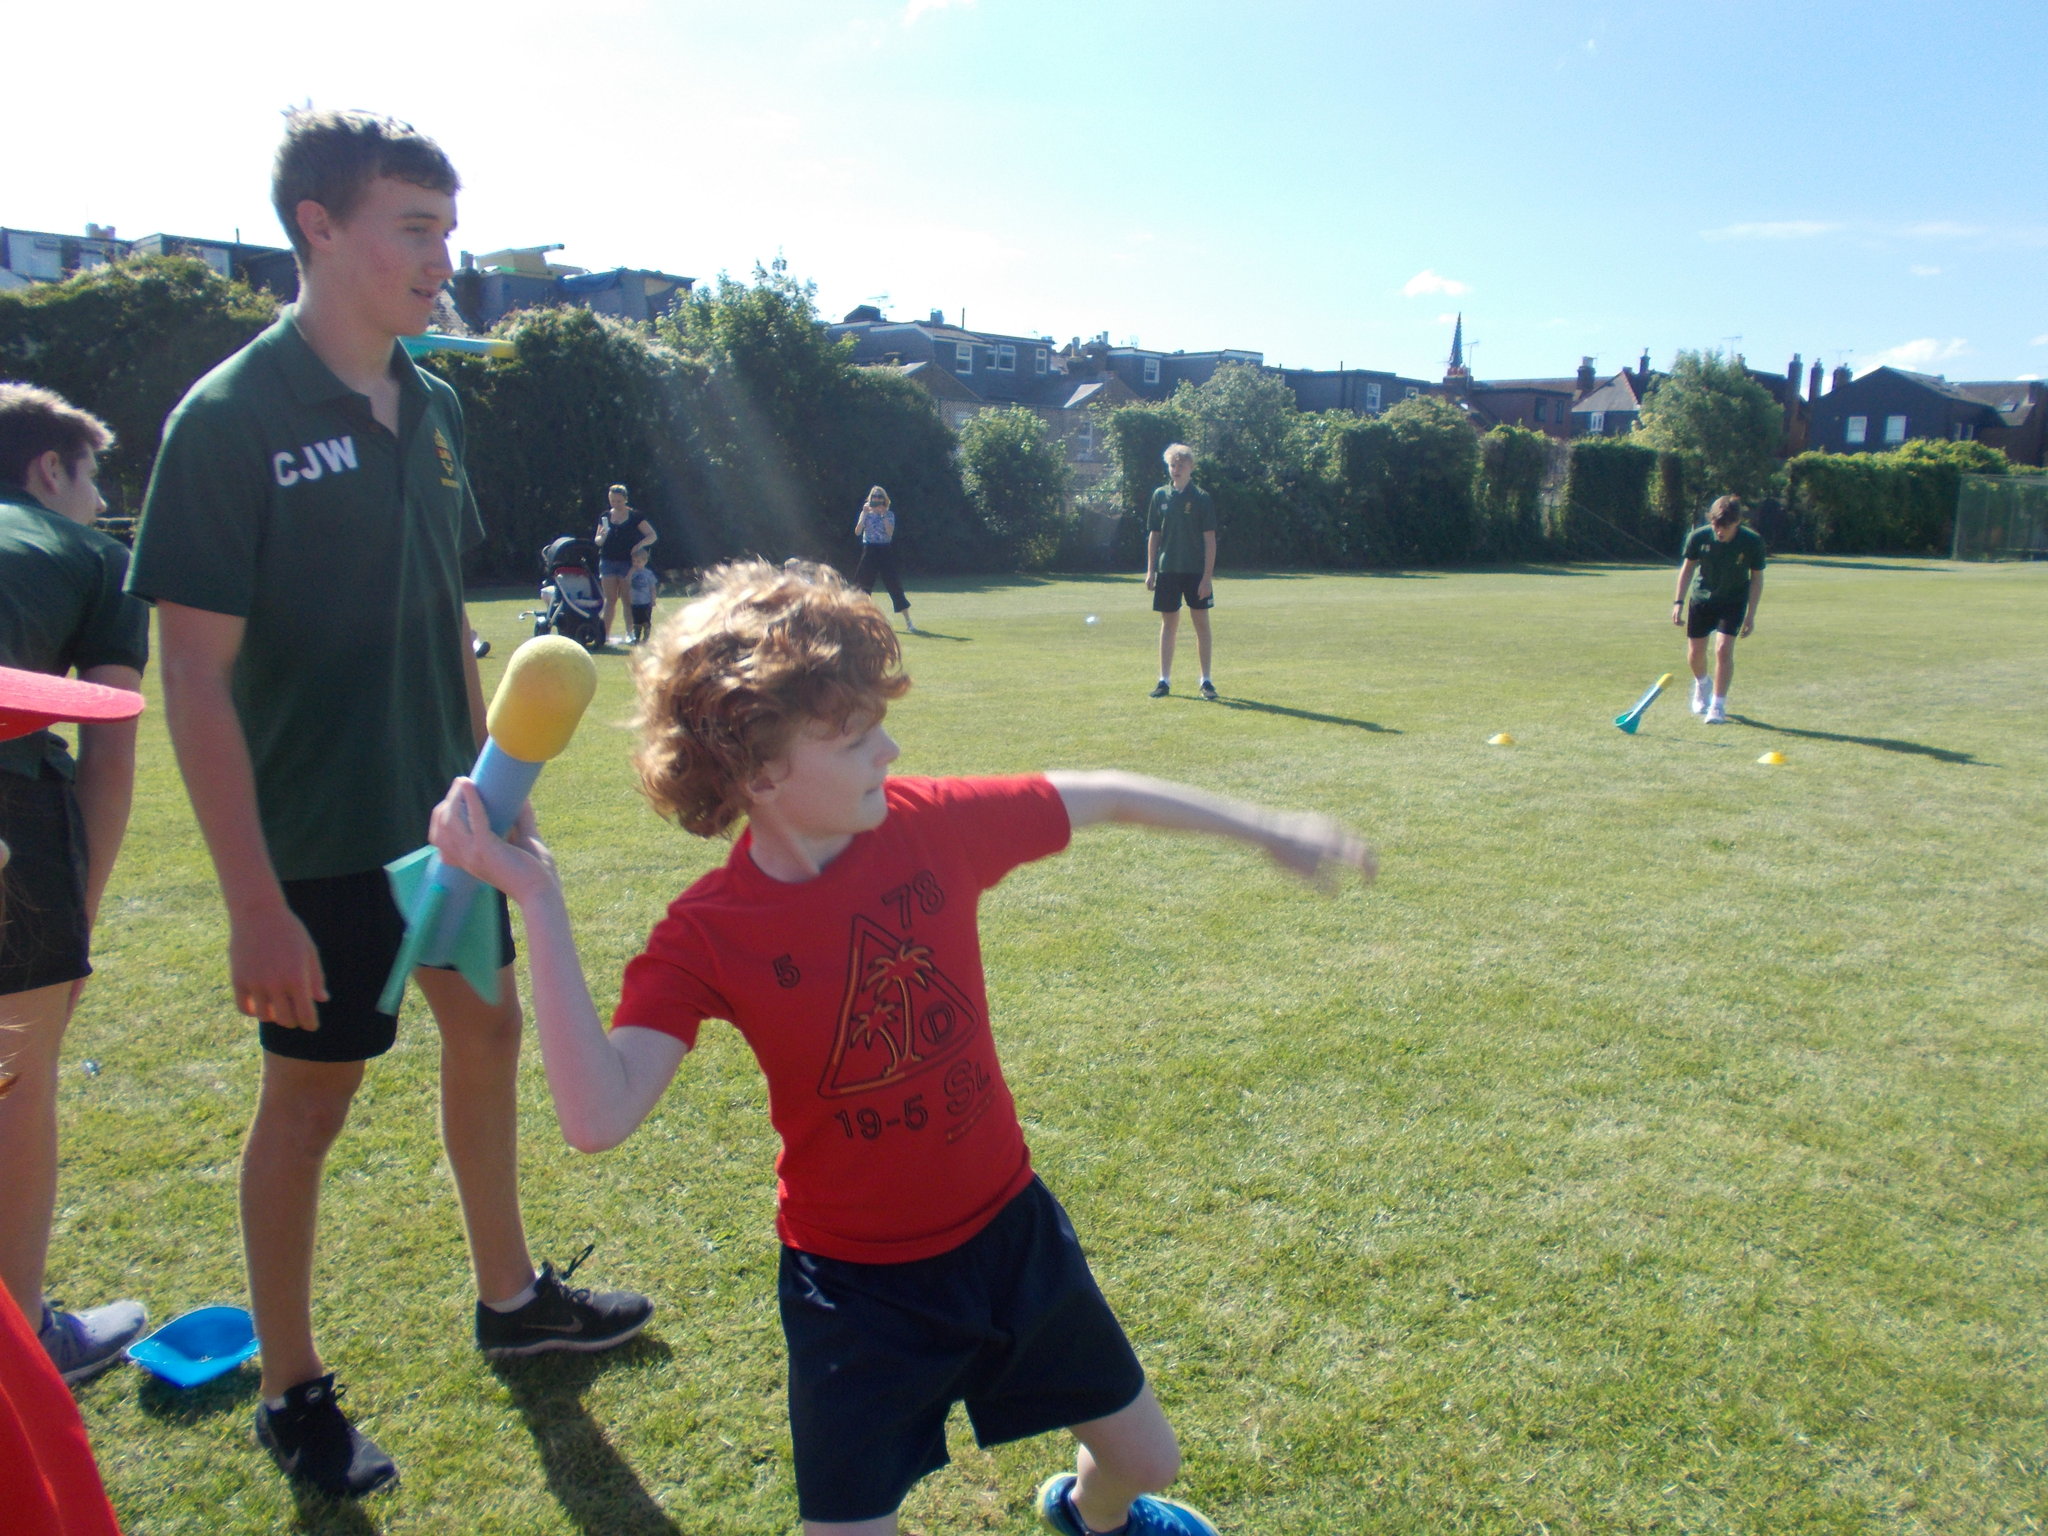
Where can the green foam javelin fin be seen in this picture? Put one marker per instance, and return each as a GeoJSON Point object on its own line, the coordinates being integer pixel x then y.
{"type": "Point", "coordinates": [475, 951]}
{"type": "Point", "coordinates": [421, 909]}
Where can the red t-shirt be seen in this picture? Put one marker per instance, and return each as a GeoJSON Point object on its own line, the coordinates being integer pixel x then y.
{"type": "Point", "coordinates": [861, 994]}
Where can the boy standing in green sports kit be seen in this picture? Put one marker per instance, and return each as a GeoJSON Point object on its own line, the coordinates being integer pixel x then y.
{"type": "Point", "coordinates": [1180, 562]}
{"type": "Point", "coordinates": [1729, 561]}
{"type": "Point", "coordinates": [61, 610]}
{"type": "Point", "coordinates": [302, 540]}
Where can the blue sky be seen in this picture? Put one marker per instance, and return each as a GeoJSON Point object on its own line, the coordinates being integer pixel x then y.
{"type": "Point", "coordinates": [1323, 182]}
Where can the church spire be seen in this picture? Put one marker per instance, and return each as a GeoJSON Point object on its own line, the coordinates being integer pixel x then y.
{"type": "Point", "coordinates": [1458, 344]}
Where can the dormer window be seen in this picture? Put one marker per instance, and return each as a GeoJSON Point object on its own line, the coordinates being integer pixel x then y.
{"type": "Point", "coordinates": [1151, 370]}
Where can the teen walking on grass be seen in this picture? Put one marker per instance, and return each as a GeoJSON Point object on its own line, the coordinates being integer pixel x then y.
{"type": "Point", "coordinates": [1729, 562]}
{"type": "Point", "coordinates": [923, 1263]}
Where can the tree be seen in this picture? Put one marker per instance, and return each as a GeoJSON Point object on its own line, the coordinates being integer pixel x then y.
{"type": "Point", "coordinates": [1253, 447]}
{"type": "Point", "coordinates": [585, 400]}
{"type": "Point", "coordinates": [1723, 425]}
{"type": "Point", "coordinates": [1017, 479]}
{"type": "Point", "coordinates": [125, 341]}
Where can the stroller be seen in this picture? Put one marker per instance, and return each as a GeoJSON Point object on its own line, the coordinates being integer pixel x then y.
{"type": "Point", "coordinates": [572, 602]}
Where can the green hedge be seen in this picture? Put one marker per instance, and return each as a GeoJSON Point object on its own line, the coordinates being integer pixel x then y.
{"type": "Point", "coordinates": [1897, 503]}
{"type": "Point", "coordinates": [1606, 509]}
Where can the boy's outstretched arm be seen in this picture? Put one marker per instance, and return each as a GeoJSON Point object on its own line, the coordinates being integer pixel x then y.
{"type": "Point", "coordinates": [1313, 847]}
{"type": "Point", "coordinates": [604, 1084]}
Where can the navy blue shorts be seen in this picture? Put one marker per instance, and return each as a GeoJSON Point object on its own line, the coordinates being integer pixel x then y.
{"type": "Point", "coordinates": [1011, 1323]}
{"type": "Point", "coordinates": [355, 924]}
{"type": "Point", "coordinates": [1171, 588]}
{"type": "Point", "coordinates": [43, 937]}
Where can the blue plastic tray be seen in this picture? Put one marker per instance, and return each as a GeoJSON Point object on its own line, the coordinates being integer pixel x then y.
{"type": "Point", "coordinates": [198, 1346]}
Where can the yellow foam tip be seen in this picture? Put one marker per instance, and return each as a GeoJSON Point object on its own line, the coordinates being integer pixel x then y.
{"type": "Point", "coordinates": [1775, 759]}
{"type": "Point", "coordinates": [1664, 679]}
{"type": "Point", "coordinates": [547, 686]}
{"type": "Point", "coordinates": [1502, 740]}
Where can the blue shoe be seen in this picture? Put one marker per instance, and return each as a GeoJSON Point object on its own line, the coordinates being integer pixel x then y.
{"type": "Point", "coordinates": [1150, 1514]}
{"type": "Point", "coordinates": [82, 1344]}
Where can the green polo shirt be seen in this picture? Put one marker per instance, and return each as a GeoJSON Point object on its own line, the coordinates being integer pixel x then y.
{"type": "Point", "coordinates": [279, 499]}
{"type": "Point", "coordinates": [62, 610]}
{"type": "Point", "coordinates": [1183, 516]}
{"type": "Point", "coordinates": [1722, 575]}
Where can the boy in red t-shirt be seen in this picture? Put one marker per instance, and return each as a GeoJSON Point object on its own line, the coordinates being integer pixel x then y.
{"type": "Point", "coordinates": [923, 1263]}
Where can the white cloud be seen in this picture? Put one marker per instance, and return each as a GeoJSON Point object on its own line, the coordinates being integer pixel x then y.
{"type": "Point", "coordinates": [1916, 356]}
{"type": "Point", "coordinates": [917, 8]}
{"type": "Point", "coordinates": [1919, 271]}
{"type": "Point", "coordinates": [2027, 378]}
{"type": "Point", "coordinates": [1942, 229]}
{"type": "Point", "coordinates": [1447, 318]}
{"type": "Point", "coordinates": [2041, 340]}
{"type": "Point", "coordinates": [1427, 281]}
{"type": "Point", "coordinates": [1782, 229]}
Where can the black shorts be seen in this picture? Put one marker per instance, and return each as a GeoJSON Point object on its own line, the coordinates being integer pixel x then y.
{"type": "Point", "coordinates": [1011, 1323]}
{"type": "Point", "coordinates": [643, 615]}
{"type": "Point", "coordinates": [1172, 587]}
{"type": "Point", "coordinates": [356, 926]}
{"type": "Point", "coordinates": [43, 937]}
{"type": "Point", "coordinates": [1702, 619]}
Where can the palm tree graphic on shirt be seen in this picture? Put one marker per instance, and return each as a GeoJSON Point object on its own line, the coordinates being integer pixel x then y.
{"type": "Point", "coordinates": [901, 1014]}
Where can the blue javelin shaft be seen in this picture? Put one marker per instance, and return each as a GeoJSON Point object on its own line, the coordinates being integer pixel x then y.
{"type": "Point", "coordinates": [503, 781]}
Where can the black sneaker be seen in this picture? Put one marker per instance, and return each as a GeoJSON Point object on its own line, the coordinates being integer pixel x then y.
{"type": "Point", "coordinates": [1160, 690]}
{"type": "Point", "coordinates": [1208, 689]}
{"type": "Point", "coordinates": [558, 1318]}
{"type": "Point", "coordinates": [313, 1442]}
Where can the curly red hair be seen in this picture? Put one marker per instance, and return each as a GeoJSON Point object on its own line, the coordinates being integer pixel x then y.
{"type": "Point", "coordinates": [726, 684]}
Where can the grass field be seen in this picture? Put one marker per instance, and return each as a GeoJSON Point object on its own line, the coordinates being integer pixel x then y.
{"type": "Point", "coordinates": [1657, 1146]}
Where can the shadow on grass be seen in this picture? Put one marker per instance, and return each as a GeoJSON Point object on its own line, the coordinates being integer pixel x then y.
{"type": "Point", "coordinates": [1256, 706]}
{"type": "Point", "coordinates": [593, 1484]}
{"type": "Point", "coordinates": [1856, 565]}
{"type": "Point", "coordinates": [1882, 743]}
{"type": "Point", "coordinates": [933, 634]}
{"type": "Point", "coordinates": [322, 1516]}
{"type": "Point", "coordinates": [188, 1405]}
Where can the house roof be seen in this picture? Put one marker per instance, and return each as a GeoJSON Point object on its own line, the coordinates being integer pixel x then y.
{"type": "Point", "coordinates": [1930, 381]}
{"type": "Point", "coordinates": [1617, 394]}
{"type": "Point", "coordinates": [1565, 386]}
{"type": "Point", "coordinates": [2014, 399]}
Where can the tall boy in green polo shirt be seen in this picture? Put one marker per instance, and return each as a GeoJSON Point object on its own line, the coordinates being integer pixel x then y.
{"type": "Point", "coordinates": [61, 610]}
{"type": "Point", "coordinates": [1180, 562]}
{"type": "Point", "coordinates": [302, 540]}
{"type": "Point", "coordinates": [1729, 560]}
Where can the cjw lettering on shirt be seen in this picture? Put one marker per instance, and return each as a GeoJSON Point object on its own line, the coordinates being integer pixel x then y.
{"type": "Point", "coordinates": [331, 457]}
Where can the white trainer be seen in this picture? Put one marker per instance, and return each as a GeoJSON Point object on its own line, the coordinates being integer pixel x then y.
{"type": "Point", "coordinates": [1702, 690]}
{"type": "Point", "coordinates": [1717, 714]}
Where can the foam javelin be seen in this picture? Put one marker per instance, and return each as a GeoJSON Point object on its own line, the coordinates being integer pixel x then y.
{"type": "Point", "coordinates": [1629, 721]}
{"type": "Point", "coordinates": [546, 687]}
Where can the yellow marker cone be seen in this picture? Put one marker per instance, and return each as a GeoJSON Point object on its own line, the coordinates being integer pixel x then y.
{"type": "Point", "coordinates": [1502, 740]}
{"type": "Point", "coordinates": [1775, 759]}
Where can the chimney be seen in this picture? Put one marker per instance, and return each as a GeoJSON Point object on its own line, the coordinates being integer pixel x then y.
{"type": "Point", "coordinates": [468, 262]}
{"type": "Point", "coordinates": [1643, 370]}
{"type": "Point", "coordinates": [938, 317]}
{"type": "Point", "coordinates": [1792, 378]}
{"type": "Point", "coordinates": [1585, 375]}
{"type": "Point", "coordinates": [1813, 378]}
{"type": "Point", "coordinates": [1839, 379]}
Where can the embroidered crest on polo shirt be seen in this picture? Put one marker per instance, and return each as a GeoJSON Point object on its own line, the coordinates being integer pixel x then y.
{"type": "Point", "coordinates": [447, 455]}
{"type": "Point", "coordinates": [334, 456]}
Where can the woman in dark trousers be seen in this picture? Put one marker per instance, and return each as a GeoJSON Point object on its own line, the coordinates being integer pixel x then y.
{"type": "Point", "coordinates": [876, 529]}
